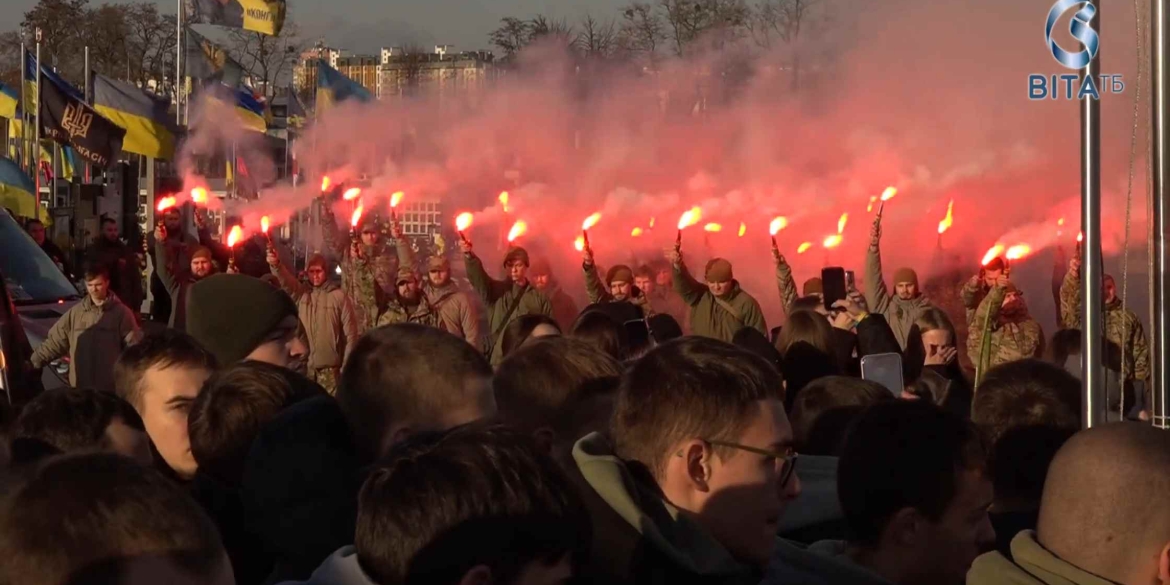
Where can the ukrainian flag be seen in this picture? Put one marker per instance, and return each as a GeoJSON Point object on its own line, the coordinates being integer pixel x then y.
{"type": "Point", "coordinates": [250, 111]}
{"type": "Point", "coordinates": [30, 82]}
{"type": "Point", "coordinates": [144, 117]}
{"type": "Point", "coordinates": [8, 101]}
{"type": "Point", "coordinates": [16, 189]}
{"type": "Point", "coordinates": [333, 87]}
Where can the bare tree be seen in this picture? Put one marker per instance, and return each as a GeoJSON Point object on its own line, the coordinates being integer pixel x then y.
{"type": "Point", "coordinates": [642, 31]}
{"type": "Point", "coordinates": [266, 58]}
{"type": "Point", "coordinates": [785, 21]}
{"type": "Point", "coordinates": [597, 40]}
{"type": "Point", "coordinates": [64, 27]}
{"type": "Point", "coordinates": [719, 21]}
{"type": "Point", "coordinates": [150, 46]}
{"type": "Point", "coordinates": [413, 60]}
{"type": "Point", "coordinates": [512, 35]}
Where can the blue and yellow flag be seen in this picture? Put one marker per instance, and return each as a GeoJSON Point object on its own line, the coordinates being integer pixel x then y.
{"type": "Point", "coordinates": [8, 101]}
{"type": "Point", "coordinates": [16, 189]}
{"type": "Point", "coordinates": [145, 117]}
{"type": "Point", "coordinates": [30, 83]}
{"type": "Point", "coordinates": [333, 87]}
{"type": "Point", "coordinates": [250, 111]}
{"type": "Point", "coordinates": [295, 110]}
{"type": "Point", "coordinates": [262, 16]}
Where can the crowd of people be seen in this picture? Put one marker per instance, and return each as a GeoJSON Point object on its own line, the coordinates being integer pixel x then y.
{"type": "Point", "coordinates": [409, 425]}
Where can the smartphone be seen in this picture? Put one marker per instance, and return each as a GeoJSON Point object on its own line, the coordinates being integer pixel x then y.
{"type": "Point", "coordinates": [885, 369]}
{"type": "Point", "coordinates": [850, 282]}
{"type": "Point", "coordinates": [833, 279]}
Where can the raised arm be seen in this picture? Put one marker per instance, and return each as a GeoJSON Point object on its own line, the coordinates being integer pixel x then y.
{"type": "Point", "coordinates": [784, 282]}
{"type": "Point", "coordinates": [334, 237]}
{"type": "Point", "coordinates": [171, 276]}
{"type": "Point", "coordinates": [1070, 296]}
{"type": "Point", "coordinates": [488, 288]}
{"type": "Point", "coordinates": [877, 296]}
{"type": "Point", "coordinates": [593, 287]}
{"type": "Point", "coordinates": [686, 286]}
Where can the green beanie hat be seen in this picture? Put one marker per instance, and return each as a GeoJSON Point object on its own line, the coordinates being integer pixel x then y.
{"type": "Point", "coordinates": [231, 314]}
{"type": "Point", "coordinates": [719, 270]}
{"type": "Point", "coordinates": [621, 273]}
{"type": "Point", "coordinates": [813, 286]}
{"type": "Point", "coordinates": [516, 253]}
{"type": "Point", "coordinates": [905, 275]}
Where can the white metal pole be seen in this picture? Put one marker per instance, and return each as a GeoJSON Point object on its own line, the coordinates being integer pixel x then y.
{"type": "Point", "coordinates": [37, 131]}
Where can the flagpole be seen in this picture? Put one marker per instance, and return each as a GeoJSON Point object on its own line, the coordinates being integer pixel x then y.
{"type": "Point", "coordinates": [23, 110]}
{"type": "Point", "coordinates": [179, 63]}
{"type": "Point", "coordinates": [87, 173]}
{"type": "Point", "coordinates": [37, 131]}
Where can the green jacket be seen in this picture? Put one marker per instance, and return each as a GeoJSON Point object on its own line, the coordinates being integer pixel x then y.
{"type": "Point", "coordinates": [718, 318]}
{"type": "Point", "coordinates": [328, 317]}
{"type": "Point", "coordinates": [499, 296]}
{"type": "Point", "coordinates": [900, 314]}
{"type": "Point", "coordinates": [396, 312]}
{"type": "Point", "coordinates": [1010, 338]}
{"type": "Point", "coordinates": [599, 293]}
{"type": "Point", "coordinates": [368, 281]}
{"type": "Point", "coordinates": [1031, 564]}
{"type": "Point", "coordinates": [639, 537]}
{"type": "Point", "coordinates": [457, 312]}
{"type": "Point", "coordinates": [93, 337]}
{"type": "Point", "coordinates": [1122, 328]}
{"type": "Point", "coordinates": [787, 287]}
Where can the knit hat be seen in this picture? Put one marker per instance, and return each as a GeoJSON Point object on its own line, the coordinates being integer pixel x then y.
{"type": "Point", "coordinates": [540, 267]}
{"type": "Point", "coordinates": [619, 273]}
{"type": "Point", "coordinates": [231, 314]}
{"type": "Point", "coordinates": [201, 252]}
{"type": "Point", "coordinates": [995, 264]}
{"type": "Point", "coordinates": [516, 253]}
{"type": "Point", "coordinates": [905, 275]}
{"type": "Point", "coordinates": [719, 270]}
{"type": "Point", "coordinates": [405, 273]}
{"type": "Point", "coordinates": [317, 260]}
{"type": "Point", "coordinates": [813, 286]}
{"type": "Point", "coordinates": [438, 263]}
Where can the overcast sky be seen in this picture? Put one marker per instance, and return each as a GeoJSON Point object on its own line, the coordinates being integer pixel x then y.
{"type": "Point", "coordinates": [366, 25]}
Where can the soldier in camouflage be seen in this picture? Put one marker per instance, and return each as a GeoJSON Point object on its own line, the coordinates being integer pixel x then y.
{"type": "Point", "coordinates": [367, 266]}
{"type": "Point", "coordinates": [408, 304]}
{"type": "Point", "coordinates": [1001, 330]}
{"type": "Point", "coordinates": [1122, 327]}
{"type": "Point", "coordinates": [976, 289]}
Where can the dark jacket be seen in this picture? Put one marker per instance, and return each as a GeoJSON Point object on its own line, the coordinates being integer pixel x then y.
{"type": "Point", "coordinates": [823, 563]}
{"type": "Point", "coordinates": [341, 568]}
{"type": "Point", "coordinates": [564, 308]}
{"type": "Point", "coordinates": [93, 337]}
{"type": "Point", "coordinates": [122, 263]}
{"type": "Point", "coordinates": [638, 537]}
{"type": "Point", "coordinates": [815, 514]}
{"type": "Point", "coordinates": [177, 279]}
{"type": "Point", "coordinates": [58, 257]}
{"type": "Point", "coordinates": [710, 316]}
{"type": "Point", "coordinates": [499, 296]}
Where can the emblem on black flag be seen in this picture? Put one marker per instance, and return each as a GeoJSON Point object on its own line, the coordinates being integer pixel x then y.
{"type": "Point", "coordinates": [77, 121]}
{"type": "Point", "coordinates": [69, 120]}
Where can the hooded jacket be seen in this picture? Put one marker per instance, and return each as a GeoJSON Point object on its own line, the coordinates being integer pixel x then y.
{"type": "Point", "coordinates": [458, 314]}
{"type": "Point", "coordinates": [900, 314]}
{"type": "Point", "coordinates": [341, 568]}
{"type": "Point", "coordinates": [1032, 564]}
{"type": "Point", "coordinates": [499, 296]}
{"type": "Point", "coordinates": [93, 336]}
{"type": "Point", "coordinates": [823, 563]}
{"type": "Point", "coordinates": [709, 316]}
{"type": "Point", "coordinates": [1122, 328]}
{"type": "Point", "coordinates": [1010, 336]}
{"type": "Point", "coordinates": [639, 537]}
{"type": "Point", "coordinates": [328, 317]}
{"type": "Point", "coordinates": [122, 263]}
{"type": "Point", "coordinates": [367, 280]}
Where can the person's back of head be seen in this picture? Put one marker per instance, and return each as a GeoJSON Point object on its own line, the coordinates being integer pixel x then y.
{"type": "Point", "coordinates": [474, 505]}
{"type": "Point", "coordinates": [517, 332]}
{"type": "Point", "coordinates": [823, 410]}
{"type": "Point", "coordinates": [809, 328]}
{"type": "Point", "coordinates": [702, 404]}
{"type": "Point", "coordinates": [807, 303]}
{"type": "Point", "coordinates": [229, 411]}
{"type": "Point", "coordinates": [542, 387]}
{"type": "Point", "coordinates": [409, 378]}
{"type": "Point", "coordinates": [599, 330]}
{"type": "Point", "coordinates": [102, 518]}
{"type": "Point", "coordinates": [1102, 509]}
{"type": "Point", "coordinates": [663, 328]}
{"type": "Point", "coordinates": [73, 420]}
{"type": "Point", "coordinates": [910, 480]}
{"type": "Point", "coordinates": [750, 339]}
{"type": "Point", "coordinates": [1066, 343]}
{"type": "Point", "coordinates": [1025, 410]}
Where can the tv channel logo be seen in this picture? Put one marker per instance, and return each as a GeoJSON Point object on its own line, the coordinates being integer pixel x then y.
{"type": "Point", "coordinates": [1071, 86]}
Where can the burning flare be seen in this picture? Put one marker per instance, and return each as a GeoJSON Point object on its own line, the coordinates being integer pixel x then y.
{"type": "Point", "coordinates": [1080, 237]}
{"type": "Point", "coordinates": [463, 221]}
{"type": "Point", "coordinates": [742, 229]}
{"type": "Point", "coordinates": [396, 198]}
{"type": "Point", "coordinates": [234, 236]}
{"type": "Point", "coordinates": [889, 194]}
{"type": "Point", "coordinates": [1060, 221]}
{"type": "Point", "coordinates": [504, 201]}
{"type": "Point", "coordinates": [325, 183]}
{"type": "Point", "coordinates": [351, 193]}
{"type": "Point", "coordinates": [357, 216]}
{"type": "Point", "coordinates": [713, 227]}
{"type": "Point", "coordinates": [869, 208]}
{"type": "Point", "coordinates": [801, 249]}
{"type": "Point", "coordinates": [841, 223]}
{"type": "Point", "coordinates": [992, 254]}
{"type": "Point", "coordinates": [1018, 251]}
{"type": "Point", "coordinates": [590, 221]}
{"type": "Point", "coordinates": [947, 221]}
{"type": "Point", "coordinates": [778, 224]}
{"type": "Point", "coordinates": [166, 203]}
{"type": "Point", "coordinates": [690, 218]}
{"type": "Point", "coordinates": [579, 244]}
{"type": "Point", "coordinates": [199, 195]}
{"type": "Point", "coordinates": [651, 223]}
{"type": "Point", "coordinates": [636, 232]}
{"type": "Point", "coordinates": [264, 224]}
{"type": "Point", "coordinates": [833, 241]}
{"type": "Point", "coordinates": [518, 229]}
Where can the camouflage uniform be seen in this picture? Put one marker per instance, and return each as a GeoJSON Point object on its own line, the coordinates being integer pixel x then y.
{"type": "Point", "coordinates": [1122, 329]}
{"type": "Point", "coordinates": [326, 378]}
{"type": "Point", "coordinates": [368, 280]}
{"type": "Point", "coordinates": [1012, 337]}
{"type": "Point", "coordinates": [396, 312]}
{"type": "Point", "coordinates": [787, 286]}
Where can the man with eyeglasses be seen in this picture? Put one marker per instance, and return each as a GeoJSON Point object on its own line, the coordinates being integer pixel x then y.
{"type": "Point", "coordinates": [699, 472]}
{"type": "Point", "coordinates": [368, 269]}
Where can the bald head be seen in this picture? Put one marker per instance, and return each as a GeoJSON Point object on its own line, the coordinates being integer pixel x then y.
{"type": "Point", "coordinates": [1104, 508]}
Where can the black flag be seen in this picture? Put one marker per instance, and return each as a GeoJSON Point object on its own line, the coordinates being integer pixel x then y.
{"type": "Point", "coordinates": [69, 120]}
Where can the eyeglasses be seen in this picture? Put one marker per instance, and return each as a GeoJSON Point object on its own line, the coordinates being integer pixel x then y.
{"type": "Point", "coordinates": [787, 469]}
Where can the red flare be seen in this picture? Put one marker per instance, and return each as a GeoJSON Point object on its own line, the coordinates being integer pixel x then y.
{"type": "Point", "coordinates": [888, 194]}
{"type": "Point", "coordinates": [690, 218]}
{"type": "Point", "coordinates": [264, 224]}
{"type": "Point", "coordinates": [992, 254]}
{"type": "Point", "coordinates": [636, 232]}
{"type": "Point", "coordinates": [518, 229]}
{"type": "Point", "coordinates": [234, 236]}
{"type": "Point", "coordinates": [463, 221]}
{"type": "Point", "coordinates": [803, 247]}
{"type": "Point", "coordinates": [869, 208]}
{"type": "Point", "coordinates": [325, 183]}
{"type": "Point", "coordinates": [357, 216]}
{"type": "Point", "coordinates": [199, 195]}
{"type": "Point", "coordinates": [1080, 237]}
{"type": "Point", "coordinates": [579, 243]}
{"type": "Point", "coordinates": [1018, 251]}
{"type": "Point", "coordinates": [396, 198]}
{"type": "Point", "coordinates": [351, 193]}
{"type": "Point", "coordinates": [590, 221]}
{"type": "Point", "coordinates": [651, 223]}
{"type": "Point", "coordinates": [742, 229]}
{"type": "Point", "coordinates": [777, 224]}
{"type": "Point", "coordinates": [947, 221]}
{"type": "Point", "coordinates": [713, 227]}
{"type": "Point", "coordinates": [841, 223]}
{"type": "Point", "coordinates": [166, 203]}
{"type": "Point", "coordinates": [833, 241]}
{"type": "Point", "coordinates": [504, 197]}
{"type": "Point", "coordinates": [1060, 221]}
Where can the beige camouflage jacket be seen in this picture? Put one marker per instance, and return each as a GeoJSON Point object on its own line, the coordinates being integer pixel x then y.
{"type": "Point", "coordinates": [1006, 338]}
{"type": "Point", "coordinates": [1122, 328]}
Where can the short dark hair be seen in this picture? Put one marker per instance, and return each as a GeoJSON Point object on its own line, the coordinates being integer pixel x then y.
{"type": "Point", "coordinates": [93, 270]}
{"type": "Point", "coordinates": [902, 454]}
{"type": "Point", "coordinates": [81, 518]}
{"type": "Point", "coordinates": [1065, 343]}
{"type": "Point", "coordinates": [809, 303]}
{"type": "Point", "coordinates": [693, 387]}
{"type": "Point", "coordinates": [403, 372]}
{"type": "Point", "coordinates": [1026, 410]}
{"type": "Point", "coordinates": [107, 219]}
{"type": "Point", "coordinates": [823, 409]}
{"type": "Point", "coordinates": [751, 339]}
{"type": "Point", "coordinates": [600, 331]}
{"type": "Point", "coordinates": [73, 419]}
{"type": "Point", "coordinates": [541, 384]}
{"type": "Point", "coordinates": [440, 504]}
{"type": "Point", "coordinates": [231, 407]}
{"type": "Point", "coordinates": [517, 332]}
{"type": "Point", "coordinates": [164, 349]}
